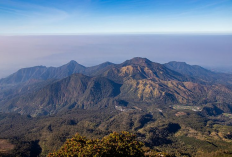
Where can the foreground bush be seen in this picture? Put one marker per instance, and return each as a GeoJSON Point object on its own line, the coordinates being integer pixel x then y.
{"type": "Point", "coordinates": [121, 144]}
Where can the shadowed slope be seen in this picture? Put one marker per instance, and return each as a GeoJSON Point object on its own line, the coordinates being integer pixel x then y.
{"type": "Point", "coordinates": [77, 90]}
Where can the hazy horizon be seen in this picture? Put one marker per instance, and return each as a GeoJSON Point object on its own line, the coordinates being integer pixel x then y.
{"type": "Point", "coordinates": [212, 51]}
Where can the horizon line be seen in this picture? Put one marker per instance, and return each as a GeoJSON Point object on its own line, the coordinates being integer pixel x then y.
{"type": "Point", "coordinates": [121, 33]}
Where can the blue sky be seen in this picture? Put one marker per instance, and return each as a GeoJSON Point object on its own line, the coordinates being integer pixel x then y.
{"type": "Point", "coordinates": [23, 17]}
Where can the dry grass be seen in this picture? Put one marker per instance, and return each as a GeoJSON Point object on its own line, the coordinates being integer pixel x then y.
{"type": "Point", "coordinates": [5, 146]}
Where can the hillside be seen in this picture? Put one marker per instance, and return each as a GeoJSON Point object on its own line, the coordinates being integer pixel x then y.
{"type": "Point", "coordinates": [177, 109]}
{"type": "Point", "coordinates": [46, 73]}
{"type": "Point", "coordinates": [142, 68]}
{"type": "Point", "coordinates": [77, 90]}
{"type": "Point", "coordinates": [134, 81]}
{"type": "Point", "coordinates": [200, 73]}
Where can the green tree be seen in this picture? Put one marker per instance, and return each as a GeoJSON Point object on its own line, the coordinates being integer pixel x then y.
{"type": "Point", "coordinates": [114, 145]}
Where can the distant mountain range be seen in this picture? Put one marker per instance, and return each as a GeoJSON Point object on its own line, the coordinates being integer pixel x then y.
{"type": "Point", "coordinates": [178, 108]}
{"type": "Point", "coordinates": [200, 73]}
{"type": "Point", "coordinates": [44, 91]}
{"type": "Point", "coordinates": [45, 73]}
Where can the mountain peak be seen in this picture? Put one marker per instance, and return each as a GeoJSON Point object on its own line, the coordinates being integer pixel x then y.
{"type": "Point", "coordinates": [192, 70]}
{"type": "Point", "coordinates": [182, 65]}
{"type": "Point", "coordinates": [107, 63]}
{"type": "Point", "coordinates": [176, 62]}
{"type": "Point", "coordinates": [138, 61]}
{"type": "Point", "coordinates": [72, 62]}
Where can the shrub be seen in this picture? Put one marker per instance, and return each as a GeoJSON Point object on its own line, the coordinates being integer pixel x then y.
{"type": "Point", "coordinates": [114, 145]}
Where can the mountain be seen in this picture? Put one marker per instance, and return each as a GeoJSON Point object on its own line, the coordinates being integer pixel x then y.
{"type": "Point", "coordinates": [134, 82]}
{"type": "Point", "coordinates": [142, 68]}
{"type": "Point", "coordinates": [43, 73]}
{"type": "Point", "coordinates": [9, 92]}
{"type": "Point", "coordinates": [96, 70]}
{"type": "Point", "coordinates": [34, 78]}
{"type": "Point", "coordinates": [174, 92]}
{"type": "Point", "coordinates": [76, 90]}
{"type": "Point", "coordinates": [178, 108]}
{"type": "Point", "coordinates": [191, 70]}
{"type": "Point", "coordinates": [199, 72]}
{"type": "Point", "coordinates": [24, 75]}
{"type": "Point", "coordinates": [64, 71]}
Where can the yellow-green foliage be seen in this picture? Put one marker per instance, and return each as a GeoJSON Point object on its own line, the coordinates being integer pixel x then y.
{"type": "Point", "coordinates": [114, 145]}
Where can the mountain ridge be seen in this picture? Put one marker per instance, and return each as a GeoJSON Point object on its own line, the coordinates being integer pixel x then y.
{"type": "Point", "coordinates": [45, 73]}
{"type": "Point", "coordinates": [199, 72]}
{"type": "Point", "coordinates": [134, 81]}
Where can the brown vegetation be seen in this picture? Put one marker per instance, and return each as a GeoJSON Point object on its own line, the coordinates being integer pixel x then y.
{"type": "Point", "coordinates": [5, 146]}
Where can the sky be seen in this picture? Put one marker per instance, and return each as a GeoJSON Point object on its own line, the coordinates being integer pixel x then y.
{"type": "Point", "coordinates": [53, 32]}
{"type": "Point", "coordinates": [23, 17]}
